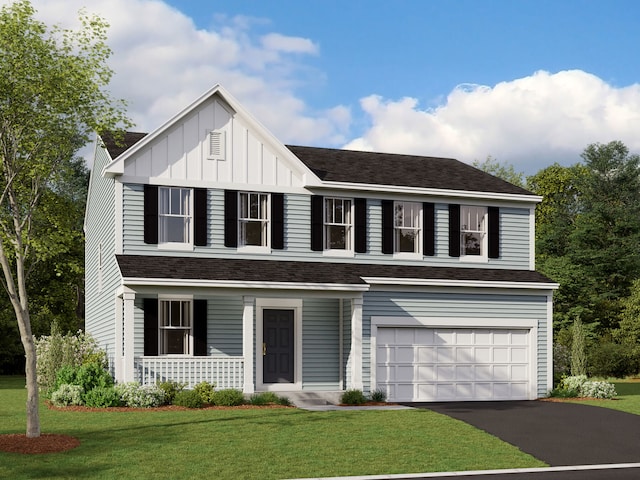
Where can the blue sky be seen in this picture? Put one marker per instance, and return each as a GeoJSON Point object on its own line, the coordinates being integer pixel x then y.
{"type": "Point", "coordinates": [526, 82]}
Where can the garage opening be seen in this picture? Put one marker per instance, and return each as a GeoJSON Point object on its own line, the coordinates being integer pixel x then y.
{"type": "Point", "coordinates": [420, 364]}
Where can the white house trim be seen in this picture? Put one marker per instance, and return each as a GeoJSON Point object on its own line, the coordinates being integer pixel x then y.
{"type": "Point", "coordinates": [294, 304]}
{"type": "Point", "coordinates": [458, 283]}
{"type": "Point", "coordinates": [247, 342]}
{"type": "Point", "coordinates": [135, 281]}
{"type": "Point", "coordinates": [399, 190]}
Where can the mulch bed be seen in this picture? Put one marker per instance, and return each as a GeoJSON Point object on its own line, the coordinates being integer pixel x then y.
{"type": "Point", "coordinates": [45, 443]}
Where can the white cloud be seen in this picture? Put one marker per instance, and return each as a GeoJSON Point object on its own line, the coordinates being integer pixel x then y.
{"type": "Point", "coordinates": [163, 61]}
{"type": "Point", "coordinates": [529, 122]}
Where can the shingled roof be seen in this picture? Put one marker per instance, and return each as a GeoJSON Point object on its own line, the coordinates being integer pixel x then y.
{"type": "Point", "coordinates": [117, 147]}
{"type": "Point", "coordinates": [351, 166]}
{"type": "Point", "coordinates": [334, 165]}
{"type": "Point", "coordinates": [232, 269]}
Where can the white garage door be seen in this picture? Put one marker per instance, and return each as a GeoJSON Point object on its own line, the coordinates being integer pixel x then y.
{"type": "Point", "coordinates": [420, 364]}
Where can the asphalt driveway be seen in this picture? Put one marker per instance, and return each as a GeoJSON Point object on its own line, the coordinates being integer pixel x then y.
{"type": "Point", "coordinates": [557, 433]}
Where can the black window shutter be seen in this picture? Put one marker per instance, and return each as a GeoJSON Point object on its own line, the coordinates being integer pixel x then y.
{"type": "Point", "coordinates": [360, 223]}
{"type": "Point", "coordinates": [454, 230]}
{"type": "Point", "coordinates": [494, 232]}
{"type": "Point", "coordinates": [429, 225]}
{"type": "Point", "coordinates": [150, 307]}
{"type": "Point", "coordinates": [387, 226]}
{"type": "Point", "coordinates": [151, 214]}
{"type": "Point", "coordinates": [230, 218]}
{"type": "Point", "coordinates": [317, 209]}
{"type": "Point", "coordinates": [200, 216]}
{"type": "Point", "coordinates": [277, 221]}
{"type": "Point", "coordinates": [200, 327]}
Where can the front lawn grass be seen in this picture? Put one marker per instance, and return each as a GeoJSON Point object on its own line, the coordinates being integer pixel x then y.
{"type": "Point", "coordinates": [247, 444]}
{"type": "Point", "coordinates": [628, 399]}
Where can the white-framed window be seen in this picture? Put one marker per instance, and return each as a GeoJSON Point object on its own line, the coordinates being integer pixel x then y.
{"type": "Point", "coordinates": [407, 227]}
{"type": "Point", "coordinates": [175, 327]}
{"type": "Point", "coordinates": [338, 224]}
{"type": "Point", "coordinates": [253, 219]}
{"type": "Point", "coordinates": [473, 231]}
{"type": "Point", "coordinates": [175, 216]}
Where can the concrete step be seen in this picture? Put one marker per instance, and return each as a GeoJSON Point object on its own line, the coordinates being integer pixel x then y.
{"type": "Point", "coordinates": [312, 399]}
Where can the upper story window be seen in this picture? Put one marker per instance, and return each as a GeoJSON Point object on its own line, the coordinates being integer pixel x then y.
{"type": "Point", "coordinates": [174, 215]}
{"type": "Point", "coordinates": [253, 219]}
{"type": "Point", "coordinates": [407, 230]}
{"type": "Point", "coordinates": [338, 224]}
{"type": "Point", "coordinates": [473, 231]}
{"type": "Point", "coordinates": [175, 327]}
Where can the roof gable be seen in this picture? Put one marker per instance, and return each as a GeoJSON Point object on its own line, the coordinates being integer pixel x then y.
{"type": "Point", "coordinates": [180, 150]}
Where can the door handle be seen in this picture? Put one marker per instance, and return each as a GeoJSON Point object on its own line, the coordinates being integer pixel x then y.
{"type": "Point", "coordinates": [264, 348]}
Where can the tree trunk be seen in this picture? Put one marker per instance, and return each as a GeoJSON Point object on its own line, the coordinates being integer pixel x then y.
{"type": "Point", "coordinates": [33, 400]}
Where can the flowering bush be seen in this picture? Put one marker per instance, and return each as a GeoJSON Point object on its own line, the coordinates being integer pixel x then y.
{"type": "Point", "coordinates": [581, 386]}
{"type": "Point", "coordinates": [132, 394]}
{"type": "Point", "coordinates": [598, 389]}
{"type": "Point", "coordinates": [56, 351]}
{"type": "Point", "coordinates": [67, 395]}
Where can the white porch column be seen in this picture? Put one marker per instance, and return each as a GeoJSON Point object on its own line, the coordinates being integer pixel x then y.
{"type": "Point", "coordinates": [356, 344]}
{"type": "Point", "coordinates": [247, 343]}
{"type": "Point", "coordinates": [128, 367]}
{"type": "Point", "coordinates": [117, 348]}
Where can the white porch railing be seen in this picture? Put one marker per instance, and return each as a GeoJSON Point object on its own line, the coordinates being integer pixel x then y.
{"type": "Point", "coordinates": [224, 372]}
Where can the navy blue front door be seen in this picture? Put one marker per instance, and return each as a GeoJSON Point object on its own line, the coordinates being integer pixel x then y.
{"type": "Point", "coordinates": [278, 352]}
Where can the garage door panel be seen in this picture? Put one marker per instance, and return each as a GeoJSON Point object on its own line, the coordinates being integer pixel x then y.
{"type": "Point", "coordinates": [436, 364]}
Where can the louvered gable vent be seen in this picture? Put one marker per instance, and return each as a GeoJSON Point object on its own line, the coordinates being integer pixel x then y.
{"type": "Point", "coordinates": [217, 145]}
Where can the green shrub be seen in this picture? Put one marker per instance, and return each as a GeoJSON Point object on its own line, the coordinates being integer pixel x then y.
{"type": "Point", "coordinates": [56, 351]}
{"type": "Point", "coordinates": [229, 397]}
{"type": "Point", "coordinates": [378, 395]}
{"type": "Point", "coordinates": [93, 375]}
{"type": "Point", "coordinates": [132, 394]}
{"type": "Point", "coordinates": [102, 397]}
{"type": "Point", "coordinates": [560, 392]}
{"type": "Point", "coordinates": [66, 395]}
{"type": "Point", "coordinates": [581, 386]}
{"type": "Point", "coordinates": [268, 398]}
{"type": "Point", "coordinates": [206, 391]}
{"type": "Point", "coordinates": [353, 397]}
{"type": "Point", "coordinates": [188, 398]}
{"type": "Point", "coordinates": [171, 389]}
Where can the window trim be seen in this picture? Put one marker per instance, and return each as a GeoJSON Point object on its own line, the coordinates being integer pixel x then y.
{"type": "Point", "coordinates": [484, 245]}
{"type": "Point", "coordinates": [190, 216]}
{"type": "Point", "coordinates": [349, 250]}
{"type": "Point", "coordinates": [267, 223]}
{"type": "Point", "coordinates": [419, 228]}
{"type": "Point", "coordinates": [190, 341]}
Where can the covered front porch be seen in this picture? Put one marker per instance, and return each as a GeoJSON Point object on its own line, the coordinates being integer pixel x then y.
{"type": "Point", "coordinates": [295, 339]}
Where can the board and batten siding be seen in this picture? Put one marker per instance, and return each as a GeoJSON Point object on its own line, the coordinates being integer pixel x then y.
{"type": "Point", "coordinates": [100, 246]}
{"type": "Point", "coordinates": [182, 152]}
{"type": "Point", "coordinates": [514, 233]}
{"type": "Point", "coordinates": [445, 303]}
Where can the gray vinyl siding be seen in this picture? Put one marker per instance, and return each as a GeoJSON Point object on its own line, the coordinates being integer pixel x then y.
{"type": "Point", "coordinates": [100, 235]}
{"type": "Point", "coordinates": [321, 344]}
{"type": "Point", "coordinates": [514, 233]}
{"type": "Point", "coordinates": [457, 305]}
{"type": "Point", "coordinates": [224, 327]}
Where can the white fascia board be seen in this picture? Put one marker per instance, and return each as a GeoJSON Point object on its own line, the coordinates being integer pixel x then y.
{"type": "Point", "coordinates": [168, 282]}
{"type": "Point", "coordinates": [394, 189]}
{"type": "Point", "coordinates": [172, 182]}
{"type": "Point", "coordinates": [426, 282]}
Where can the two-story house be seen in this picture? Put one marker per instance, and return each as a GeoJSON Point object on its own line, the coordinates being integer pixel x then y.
{"type": "Point", "coordinates": [214, 252]}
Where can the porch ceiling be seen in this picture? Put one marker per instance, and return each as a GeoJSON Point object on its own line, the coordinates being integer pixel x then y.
{"type": "Point", "coordinates": [343, 273]}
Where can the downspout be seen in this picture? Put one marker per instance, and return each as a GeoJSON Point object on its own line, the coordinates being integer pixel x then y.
{"type": "Point", "coordinates": [341, 343]}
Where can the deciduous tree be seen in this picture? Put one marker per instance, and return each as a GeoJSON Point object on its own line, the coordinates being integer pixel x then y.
{"type": "Point", "coordinates": [52, 97]}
